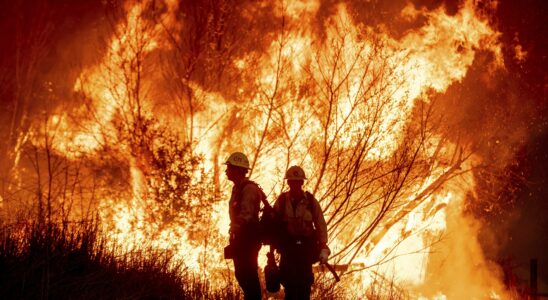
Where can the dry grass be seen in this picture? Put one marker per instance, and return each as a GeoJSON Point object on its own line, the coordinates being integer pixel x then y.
{"type": "Point", "coordinates": [71, 262]}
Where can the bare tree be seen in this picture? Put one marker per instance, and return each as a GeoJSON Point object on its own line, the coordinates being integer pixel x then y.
{"type": "Point", "coordinates": [370, 166]}
{"type": "Point", "coordinates": [20, 79]}
{"type": "Point", "coordinates": [373, 155]}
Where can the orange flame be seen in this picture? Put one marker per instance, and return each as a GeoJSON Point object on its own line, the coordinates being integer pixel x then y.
{"type": "Point", "coordinates": [428, 59]}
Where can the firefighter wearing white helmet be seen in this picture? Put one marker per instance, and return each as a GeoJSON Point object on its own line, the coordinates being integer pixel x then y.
{"type": "Point", "coordinates": [238, 159]}
{"type": "Point", "coordinates": [244, 207]}
{"type": "Point", "coordinates": [304, 239]}
{"type": "Point", "coordinates": [295, 173]}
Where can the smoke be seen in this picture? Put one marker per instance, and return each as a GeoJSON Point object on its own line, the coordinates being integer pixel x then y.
{"type": "Point", "coordinates": [498, 113]}
{"type": "Point", "coordinates": [491, 111]}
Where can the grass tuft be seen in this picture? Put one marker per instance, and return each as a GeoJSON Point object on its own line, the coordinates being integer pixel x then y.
{"type": "Point", "coordinates": [71, 261]}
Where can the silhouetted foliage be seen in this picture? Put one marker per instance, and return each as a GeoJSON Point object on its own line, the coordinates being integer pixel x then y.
{"type": "Point", "coordinates": [71, 261]}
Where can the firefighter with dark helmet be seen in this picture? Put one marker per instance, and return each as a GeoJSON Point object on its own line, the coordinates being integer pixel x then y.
{"type": "Point", "coordinates": [244, 207]}
{"type": "Point", "coordinates": [304, 238]}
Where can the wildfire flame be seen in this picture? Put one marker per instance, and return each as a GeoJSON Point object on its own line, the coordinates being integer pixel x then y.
{"type": "Point", "coordinates": [284, 112]}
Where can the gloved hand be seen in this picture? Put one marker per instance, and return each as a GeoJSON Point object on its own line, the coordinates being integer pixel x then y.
{"type": "Point", "coordinates": [324, 255]}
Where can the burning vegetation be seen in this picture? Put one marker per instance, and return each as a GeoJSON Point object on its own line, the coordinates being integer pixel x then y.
{"type": "Point", "coordinates": [128, 129]}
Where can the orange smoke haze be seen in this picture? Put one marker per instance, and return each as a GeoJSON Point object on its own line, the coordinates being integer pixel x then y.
{"type": "Point", "coordinates": [393, 110]}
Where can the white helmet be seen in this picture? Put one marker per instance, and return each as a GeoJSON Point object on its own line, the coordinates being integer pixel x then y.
{"type": "Point", "coordinates": [238, 159]}
{"type": "Point", "coordinates": [295, 173]}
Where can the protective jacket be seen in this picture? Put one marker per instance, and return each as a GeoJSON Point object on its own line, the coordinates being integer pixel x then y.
{"type": "Point", "coordinates": [244, 205]}
{"type": "Point", "coordinates": [303, 216]}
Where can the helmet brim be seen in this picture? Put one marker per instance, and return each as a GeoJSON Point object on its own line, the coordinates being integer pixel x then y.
{"type": "Point", "coordinates": [229, 164]}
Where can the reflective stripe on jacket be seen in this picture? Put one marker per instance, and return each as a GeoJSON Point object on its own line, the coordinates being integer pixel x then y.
{"type": "Point", "coordinates": [303, 216]}
{"type": "Point", "coordinates": [244, 205]}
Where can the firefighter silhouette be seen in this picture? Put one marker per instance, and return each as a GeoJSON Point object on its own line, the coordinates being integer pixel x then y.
{"type": "Point", "coordinates": [304, 238]}
{"type": "Point", "coordinates": [244, 216]}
